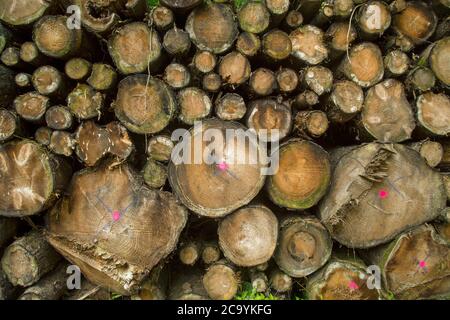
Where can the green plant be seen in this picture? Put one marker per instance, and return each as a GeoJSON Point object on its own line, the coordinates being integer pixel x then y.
{"type": "Point", "coordinates": [115, 296]}
{"type": "Point", "coordinates": [153, 3]}
{"type": "Point", "coordinates": [239, 3]}
{"type": "Point", "coordinates": [247, 292]}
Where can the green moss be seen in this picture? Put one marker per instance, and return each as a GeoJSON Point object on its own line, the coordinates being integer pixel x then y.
{"type": "Point", "coordinates": [247, 292]}
{"type": "Point", "coordinates": [153, 3]}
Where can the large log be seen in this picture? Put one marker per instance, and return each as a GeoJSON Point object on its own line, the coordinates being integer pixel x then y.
{"type": "Point", "coordinates": [377, 191]}
{"type": "Point", "coordinates": [23, 13]}
{"type": "Point", "coordinates": [114, 227]}
{"type": "Point", "coordinates": [31, 178]}
{"type": "Point", "coordinates": [50, 287]}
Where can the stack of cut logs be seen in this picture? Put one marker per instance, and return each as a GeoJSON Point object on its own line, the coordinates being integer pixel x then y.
{"type": "Point", "coordinates": [351, 95]}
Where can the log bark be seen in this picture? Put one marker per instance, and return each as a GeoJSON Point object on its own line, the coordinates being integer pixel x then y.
{"type": "Point", "coordinates": [212, 27]}
{"type": "Point", "coordinates": [271, 120]}
{"type": "Point", "coordinates": [387, 115]}
{"type": "Point", "coordinates": [226, 184]}
{"type": "Point", "coordinates": [112, 248]}
{"type": "Point", "coordinates": [303, 175]}
{"type": "Point", "coordinates": [144, 105]}
{"type": "Point", "coordinates": [248, 236]}
{"type": "Point", "coordinates": [416, 265]}
{"type": "Point", "coordinates": [32, 178]}
{"type": "Point", "coordinates": [135, 48]}
{"type": "Point", "coordinates": [85, 103]}
{"type": "Point", "coordinates": [50, 287]}
{"type": "Point", "coordinates": [433, 113]}
{"type": "Point", "coordinates": [374, 195]}
{"type": "Point", "coordinates": [28, 258]}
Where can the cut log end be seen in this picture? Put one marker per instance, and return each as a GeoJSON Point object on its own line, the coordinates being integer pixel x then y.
{"type": "Point", "coordinates": [221, 282]}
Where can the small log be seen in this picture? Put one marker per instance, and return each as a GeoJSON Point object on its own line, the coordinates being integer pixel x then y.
{"type": "Point", "coordinates": [280, 281]}
{"type": "Point", "coordinates": [340, 36]}
{"type": "Point", "coordinates": [304, 246]}
{"type": "Point", "coordinates": [54, 38]}
{"type": "Point", "coordinates": [50, 287]}
{"type": "Point", "coordinates": [30, 54]}
{"type": "Point", "coordinates": [144, 104]}
{"type": "Point", "coordinates": [234, 68]}
{"type": "Point", "coordinates": [187, 284]}
{"type": "Point", "coordinates": [227, 183]}
{"type": "Point", "coordinates": [259, 281]}
{"type": "Point", "coordinates": [155, 174]}
{"type": "Point", "coordinates": [85, 103]}
{"type": "Point", "coordinates": [177, 42]}
{"type": "Point", "coordinates": [416, 265]}
{"type": "Point", "coordinates": [212, 27]}
{"type": "Point", "coordinates": [396, 63]}
{"type": "Point", "coordinates": [311, 124]}
{"type": "Point", "coordinates": [287, 80]}
{"type": "Point", "coordinates": [211, 252]}
{"type": "Point", "coordinates": [156, 285]}
{"type": "Point", "coordinates": [212, 82]}
{"type": "Point", "coordinates": [204, 61]}
{"type": "Point", "coordinates": [276, 45]}
{"type": "Point", "coordinates": [194, 105]}
{"type": "Point", "coordinates": [61, 143]}
{"type": "Point", "coordinates": [230, 106]}
{"type": "Point", "coordinates": [344, 277]}
{"type": "Point", "coordinates": [177, 76]}
{"type": "Point", "coordinates": [28, 258]}
{"type": "Point", "coordinates": [8, 230]}
{"type": "Point", "coordinates": [374, 18]}
{"type": "Point", "coordinates": [421, 79]}
{"type": "Point", "coordinates": [78, 69]}
{"type": "Point", "coordinates": [189, 253]}
{"type": "Point", "coordinates": [160, 148]}
{"type": "Point", "coordinates": [303, 175]}
{"type": "Point", "coordinates": [308, 44]}
{"type": "Point", "coordinates": [318, 79]}
{"type": "Point", "coordinates": [43, 135]}
{"type": "Point", "coordinates": [364, 64]}
{"type": "Point", "coordinates": [433, 113]}
{"type": "Point", "coordinates": [23, 80]}
{"type": "Point", "coordinates": [253, 17]}
{"type": "Point", "coordinates": [221, 281]}
{"type": "Point", "coordinates": [293, 20]}
{"type": "Point", "coordinates": [278, 10]}
{"type": "Point", "coordinates": [59, 118]}
{"type": "Point", "coordinates": [417, 22]}
{"type": "Point", "coordinates": [114, 249]}
{"type": "Point", "coordinates": [162, 18]}
{"type": "Point", "coordinates": [248, 236]}
{"type": "Point", "coordinates": [377, 183]}
{"type": "Point", "coordinates": [267, 115]}
{"type": "Point", "coordinates": [387, 115]}
{"type": "Point", "coordinates": [9, 125]}
{"type": "Point", "coordinates": [41, 180]}
{"type": "Point", "coordinates": [262, 82]}
{"type": "Point", "coordinates": [23, 14]}
{"type": "Point", "coordinates": [48, 81]}
{"type": "Point", "coordinates": [345, 101]}
{"type": "Point", "coordinates": [135, 48]}
{"type": "Point", "coordinates": [6, 37]}
{"type": "Point", "coordinates": [98, 17]}
{"type": "Point", "coordinates": [10, 57]}
{"type": "Point", "coordinates": [305, 100]}
{"type": "Point", "coordinates": [431, 151]}
{"type": "Point", "coordinates": [103, 77]}
{"type": "Point", "coordinates": [31, 106]}
{"type": "Point", "coordinates": [437, 57]}
{"type": "Point", "coordinates": [248, 44]}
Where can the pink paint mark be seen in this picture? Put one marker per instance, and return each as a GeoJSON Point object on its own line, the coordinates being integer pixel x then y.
{"type": "Point", "coordinates": [352, 285]}
{"type": "Point", "coordinates": [422, 264]}
{"type": "Point", "coordinates": [116, 215]}
{"type": "Point", "coordinates": [382, 194]}
{"type": "Point", "coordinates": [223, 166]}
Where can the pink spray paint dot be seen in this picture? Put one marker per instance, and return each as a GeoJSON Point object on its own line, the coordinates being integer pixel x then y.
{"type": "Point", "coordinates": [352, 285]}
{"type": "Point", "coordinates": [223, 166]}
{"type": "Point", "coordinates": [422, 264]}
{"type": "Point", "coordinates": [116, 215]}
{"type": "Point", "coordinates": [382, 194]}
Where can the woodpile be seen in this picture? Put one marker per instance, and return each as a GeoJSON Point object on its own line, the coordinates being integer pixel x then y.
{"type": "Point", "coordinates": [120, 175]}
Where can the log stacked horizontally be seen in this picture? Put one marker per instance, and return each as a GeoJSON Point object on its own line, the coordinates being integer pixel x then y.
{"type": "Point", "coordinates": [116, 157]}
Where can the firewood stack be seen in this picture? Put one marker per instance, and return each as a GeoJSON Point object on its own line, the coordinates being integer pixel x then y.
{"type": "Point", "coordinates": [97, 97]}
